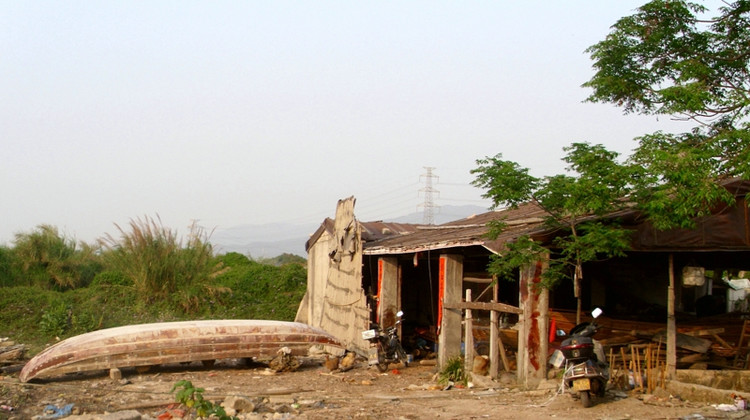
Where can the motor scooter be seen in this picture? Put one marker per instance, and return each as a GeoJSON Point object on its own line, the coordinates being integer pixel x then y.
{"type": "Point", "coordinates": [586, 368]}
{"type": "Point", "coordinates": [385, 346]}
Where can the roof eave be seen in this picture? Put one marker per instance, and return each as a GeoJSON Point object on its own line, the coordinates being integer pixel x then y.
{"type": "Point", "coordinates": [400, 250]}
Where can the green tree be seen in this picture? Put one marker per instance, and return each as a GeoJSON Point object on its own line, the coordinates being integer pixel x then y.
{"type": "Point", "coordinates": [669, 58]}
{"type": "Point", "coordinates": [47, 259]}
{"type": "Point", "coordinates": [594, 186]}
{"type": "Point", "coordinates": [283, 259]}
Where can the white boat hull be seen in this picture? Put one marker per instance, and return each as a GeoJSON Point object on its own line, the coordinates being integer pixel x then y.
{"type": "Point", "coordinates": [173, 342]}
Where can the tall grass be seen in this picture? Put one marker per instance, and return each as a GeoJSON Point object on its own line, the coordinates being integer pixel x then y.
{"type": "Point", "coordinates": [47, 259]}
{"type": "Point", "coordinates": [160, 266]}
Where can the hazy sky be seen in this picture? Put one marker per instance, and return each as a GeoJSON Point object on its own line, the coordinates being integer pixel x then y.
{"type": "Point", "coordinates": [251, 112]}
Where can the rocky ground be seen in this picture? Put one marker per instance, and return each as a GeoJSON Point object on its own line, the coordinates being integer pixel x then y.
{"type": "Point", "coordinates": [313, 392]}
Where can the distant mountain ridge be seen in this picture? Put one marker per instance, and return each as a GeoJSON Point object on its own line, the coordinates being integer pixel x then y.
{"type": "Point", "coordinates": [273, 239]}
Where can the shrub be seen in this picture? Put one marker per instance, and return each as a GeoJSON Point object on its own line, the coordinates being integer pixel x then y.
{"type": "Point", "coordinates": [232, 259]}
{"type": "Point", "coordinates": [23, 308]}
{"type": "Point", "coordinates": [453, 371]}
{"type": "Point", "coordinates": [192, 398]}
{"type": "Point", "coordinates": [111, 278]}
{"type": "Point", "coordinates": [56, 320]}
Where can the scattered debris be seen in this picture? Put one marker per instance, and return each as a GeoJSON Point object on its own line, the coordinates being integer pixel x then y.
{"type": "Point", "coordinates": [55, 412]}
{"type": "Point", "coordinates": [10, 351]}
{"type": "Point", "coordinates": [233, 405]}
{"type": "Point", "coordinates": [284, 362]}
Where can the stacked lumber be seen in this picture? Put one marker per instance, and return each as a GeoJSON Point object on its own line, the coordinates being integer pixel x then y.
{"type": "Point", "coordinates": [637, 349]}
{"type": "Point", "coordinates": [716, 337]}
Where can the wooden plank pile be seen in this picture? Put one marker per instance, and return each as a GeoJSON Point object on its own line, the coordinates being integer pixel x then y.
{"type": "Point", "coordinates": [637, 349]}
{"type": "Point", "coordinates": [11, 352]}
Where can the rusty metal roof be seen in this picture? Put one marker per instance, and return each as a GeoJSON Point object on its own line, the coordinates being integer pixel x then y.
{"type": "Point", "coordinates": [399, 238]}
{"type": "Point", "coordinates": [470, 231]}
{"type": "Point", "coordinates": [371, 231]}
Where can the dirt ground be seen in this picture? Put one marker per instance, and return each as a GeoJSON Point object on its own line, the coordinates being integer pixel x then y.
{"type": "Point", "coordinates": [312, 392]}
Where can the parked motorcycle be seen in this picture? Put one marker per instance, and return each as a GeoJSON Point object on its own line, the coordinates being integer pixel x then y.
{"type": "Point", "coordinates": [385, 346]}
{"type": "Point", "coordinates": [586, 367]}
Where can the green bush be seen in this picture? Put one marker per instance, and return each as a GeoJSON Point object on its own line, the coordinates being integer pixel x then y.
{"type": "Point", "coordinates": [192, 398]}
{"type": "Point", "coordinates": [23, 308]}
{"type": "Point", "coordinates": [61, 321]}
{"type": "Point", "coordinates": [453, 371]}
{"type": "Point", "coordinates": [56, 320]}
{"type": "Point", "coordinates": [111, 278]}
{"type": "Point", "coordinates": [232, 259]}
{"type": "Point", "coordinates": [261, 291]}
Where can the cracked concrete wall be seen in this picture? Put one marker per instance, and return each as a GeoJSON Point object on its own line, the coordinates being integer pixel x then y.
{"type": "Point", "coordinates": [335, 300]}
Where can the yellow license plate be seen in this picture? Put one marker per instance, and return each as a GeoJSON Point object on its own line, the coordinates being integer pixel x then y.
{"type": "Point", "coordinates": [372, 356]}
{"type": "Point", "coordinates": [582, 384]}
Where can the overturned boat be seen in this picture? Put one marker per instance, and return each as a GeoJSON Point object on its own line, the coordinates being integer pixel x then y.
{"type": "Point", "coordinates": [174, 342]}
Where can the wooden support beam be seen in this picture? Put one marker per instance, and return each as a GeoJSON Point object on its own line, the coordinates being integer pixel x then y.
{"type": "Point", "coordinates": [485, 306]}
{"type": "Point", "coordinates": [468, 337]}
{"type": "Point", "coordinates": [494, 336]}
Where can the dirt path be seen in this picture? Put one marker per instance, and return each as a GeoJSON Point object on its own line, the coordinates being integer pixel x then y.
{"type": "Point", "coordinates": [313, 393]}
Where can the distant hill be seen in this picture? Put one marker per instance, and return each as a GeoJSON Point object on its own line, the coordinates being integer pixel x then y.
{"type": "Point", "coordinates": [264, 241]}
{"type": "Point", "coordinates": [273, 239]}
{"type": "Point", "coordinates": [444, 214]}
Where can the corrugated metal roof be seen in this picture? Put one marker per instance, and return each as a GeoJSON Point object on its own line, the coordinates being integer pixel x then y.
{"type": "Point", "coordinates": [374, 231]}
{"type": "Point", "coordinates": [400, 238]}
{"type": "Point", "coordinates": [371, 231]}
{"type": "Point", "coordinates": [470, 231]}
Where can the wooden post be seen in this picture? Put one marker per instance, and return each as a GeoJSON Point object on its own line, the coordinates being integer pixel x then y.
{"type": "Point", "coordinates": [468, 338]}
{"type": "Point", "coordinates": [636, 368]}
{"type": "Point", "coordinates": [494, 335]}
{"type": "Point", "coordinates": [671, 324]}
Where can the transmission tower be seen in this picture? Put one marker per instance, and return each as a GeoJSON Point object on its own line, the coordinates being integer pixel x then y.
{"type": "Point", "coordinates": [428, 217]}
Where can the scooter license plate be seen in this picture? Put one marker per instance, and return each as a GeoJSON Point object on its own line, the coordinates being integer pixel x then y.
{"type": "Point", "coordinates": [372, 356]}
{"type": "Point", "coordinates": [582, 384]}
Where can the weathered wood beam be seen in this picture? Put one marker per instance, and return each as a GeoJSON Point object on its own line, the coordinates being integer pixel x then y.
{"type": "Point", "coordinates": [485, 306]}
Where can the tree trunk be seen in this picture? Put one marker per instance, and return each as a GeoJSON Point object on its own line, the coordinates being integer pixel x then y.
{"type": "Point", "coordinates": [577, 276]}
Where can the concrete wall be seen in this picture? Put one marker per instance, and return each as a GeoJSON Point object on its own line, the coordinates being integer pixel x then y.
{"type": "Point", "coordinates": [334, 300]}
{"type": "Point", "coordinates": [737, 380]}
